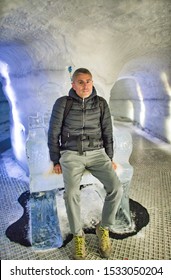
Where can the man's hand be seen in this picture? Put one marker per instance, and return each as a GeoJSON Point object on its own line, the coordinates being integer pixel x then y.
{"type": "Point", "coordinates": [57, 169]}
{"type": "Point", "coordinates": [114, 165]}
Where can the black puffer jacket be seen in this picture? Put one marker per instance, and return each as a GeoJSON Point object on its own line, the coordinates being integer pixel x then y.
{"type": "Point", "coordinates": [83, 129]}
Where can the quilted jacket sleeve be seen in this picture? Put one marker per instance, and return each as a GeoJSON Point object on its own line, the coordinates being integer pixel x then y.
{"type": "Point", "coordinates": [107, 130]}
{"type": "Point", "coordinates": [55, 127]}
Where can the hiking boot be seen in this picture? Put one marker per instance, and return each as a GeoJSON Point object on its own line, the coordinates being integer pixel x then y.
{"type": "Point", "coordinates": [104, 241]}
{"type": "Point", "coordinates": [79, 247]}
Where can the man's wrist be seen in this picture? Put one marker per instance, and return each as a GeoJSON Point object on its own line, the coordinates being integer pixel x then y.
{"type": "Point", "coordinates": [55, 163]}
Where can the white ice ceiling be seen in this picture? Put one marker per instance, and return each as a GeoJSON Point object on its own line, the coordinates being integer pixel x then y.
{"type": "Point", "coordinates": [125, 43]}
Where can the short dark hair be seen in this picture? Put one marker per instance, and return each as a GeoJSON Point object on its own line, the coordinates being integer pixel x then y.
{"type": "Point", "coordinates": [80, 71]}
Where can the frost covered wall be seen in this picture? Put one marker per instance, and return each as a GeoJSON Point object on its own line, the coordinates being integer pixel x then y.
{"type": "Point", "coordinates": [125, 44]}
{"type": "Point", "coordinates": [4, 118]}
{"type": "Point", "coordinates": [30, 95]}
{"type": "Point", "coordinates": [142, 94]}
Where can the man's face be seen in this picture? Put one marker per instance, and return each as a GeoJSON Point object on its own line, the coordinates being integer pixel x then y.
{"type": "Point", "coordinates": [83, 85]}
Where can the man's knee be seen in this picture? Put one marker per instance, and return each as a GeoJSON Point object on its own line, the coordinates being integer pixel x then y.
{"type": "Point", "coordinates": [117, 189]}
{"type": "Point", "coordinates": [71, 195]}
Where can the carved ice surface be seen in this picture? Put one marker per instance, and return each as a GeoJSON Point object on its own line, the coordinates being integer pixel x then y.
{"type": "Point", "coordinates": [36, 149]}
{"type": "Point", "coordinates": [122, 152]}
{"type": "Point", "coordinates": [45, 230]}
{"type": "Point", "coordinates": [40, 167]}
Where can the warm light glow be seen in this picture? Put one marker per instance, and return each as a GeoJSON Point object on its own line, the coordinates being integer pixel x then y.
{"type": "Point", "coordinates": [129, 103]}
{"type": "Point", "coordinates": [168, 125]}
{"type": "Point", "coordinates": [167, 86]}
{"type": "Point", "coordinates": [166, 83]}
{"type": "Point", "coordinates": [130, 113]}
{"type": "Point", "coordinates": [18, 130]}
{"type": "Point", "coordinates": [142, 109]}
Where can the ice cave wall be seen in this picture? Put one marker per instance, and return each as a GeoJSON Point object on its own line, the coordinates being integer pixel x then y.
{"type": "Point", "coordinates": [125, 44]}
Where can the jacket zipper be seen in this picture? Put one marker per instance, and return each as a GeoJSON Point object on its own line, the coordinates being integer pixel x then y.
{"type": "Point", "coordinates": [83, 104]}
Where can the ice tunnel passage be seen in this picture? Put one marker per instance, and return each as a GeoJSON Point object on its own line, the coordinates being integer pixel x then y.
{"type": "Point", "coordinates": [130, 62]}
{"type": "Point", "coordinates": [143, 96]}
{"type": "Point", "coordinates": [125, 44]}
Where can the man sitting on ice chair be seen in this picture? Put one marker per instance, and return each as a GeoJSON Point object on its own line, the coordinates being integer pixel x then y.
{"type": "Point", "coordinates": [83, 140]}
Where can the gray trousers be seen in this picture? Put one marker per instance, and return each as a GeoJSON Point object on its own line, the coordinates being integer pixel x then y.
{"type": "Point", "coordinates": [99, 164]}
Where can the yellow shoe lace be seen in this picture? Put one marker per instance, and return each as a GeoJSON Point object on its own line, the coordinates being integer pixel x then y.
{"type": "Point", "coordinates": [105, 242]}
{"type": "Point", "coordinates": [79, 245]}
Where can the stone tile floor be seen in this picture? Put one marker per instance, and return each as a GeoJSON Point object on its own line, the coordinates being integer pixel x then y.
{"type": "Point", "coordinates": [151, 187]}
